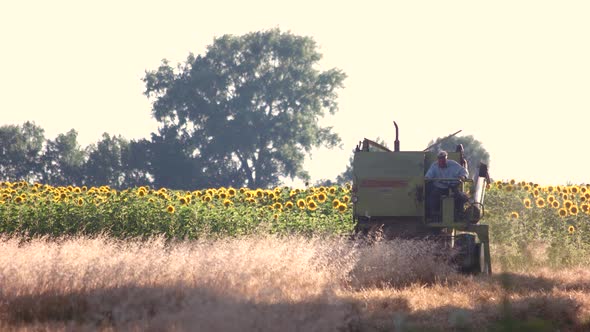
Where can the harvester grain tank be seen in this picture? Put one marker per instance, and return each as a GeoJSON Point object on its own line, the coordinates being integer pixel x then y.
{"type": "Point", "coordinates": [389, 194]}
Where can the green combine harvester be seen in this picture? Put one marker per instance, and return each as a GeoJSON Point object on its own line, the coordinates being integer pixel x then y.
{"type": "Point", "coordinates": [389, 195]}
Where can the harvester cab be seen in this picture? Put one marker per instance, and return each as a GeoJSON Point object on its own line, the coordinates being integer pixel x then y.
{"type": "Point", "coordinates": [390, 190]}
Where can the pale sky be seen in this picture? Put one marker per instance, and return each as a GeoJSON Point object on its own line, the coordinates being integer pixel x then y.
{"type": "Point", "coordinates": [514, 74]}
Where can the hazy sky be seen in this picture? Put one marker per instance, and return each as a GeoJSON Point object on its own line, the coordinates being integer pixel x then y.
{"type": "Point", "coordinates": [514, 74]}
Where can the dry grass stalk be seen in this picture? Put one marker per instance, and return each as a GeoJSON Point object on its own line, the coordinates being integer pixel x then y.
{"type": "Point", "coordinates": [266, 283]}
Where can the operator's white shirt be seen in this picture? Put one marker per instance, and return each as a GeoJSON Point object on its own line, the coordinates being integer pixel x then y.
{"type": "Point", "coordinates": [454, 170]}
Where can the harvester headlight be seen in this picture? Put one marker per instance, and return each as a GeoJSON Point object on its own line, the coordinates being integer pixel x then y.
{"type": "Point", "coordinates": [354, 199]}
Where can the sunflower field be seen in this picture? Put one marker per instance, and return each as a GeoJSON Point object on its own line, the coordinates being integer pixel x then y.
{"type": "Point", "coordinates": [527, 221]}
{"type": "Point", "coordinates": [538, 225]}
{"type": "Point", "coordinates": [37, 209]}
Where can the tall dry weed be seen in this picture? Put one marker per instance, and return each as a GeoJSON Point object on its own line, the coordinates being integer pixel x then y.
{"type": "Point", "coordinates": [248, 283]}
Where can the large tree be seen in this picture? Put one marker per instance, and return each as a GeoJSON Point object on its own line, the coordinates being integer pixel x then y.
{"type": "Point", "coordinates": [474, 151]}
{"type": "Point", "coordinates": [250, 106]}
{"type": "Point", "coordinates": [63, 160]}
{"type": "Point", "coordinates": [105, 162]}
{"type": "Point", "coordinates": [20, 152]}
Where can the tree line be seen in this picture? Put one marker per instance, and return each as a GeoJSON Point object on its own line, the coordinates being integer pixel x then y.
{"type": "Point", "coordinates": [245, 113]}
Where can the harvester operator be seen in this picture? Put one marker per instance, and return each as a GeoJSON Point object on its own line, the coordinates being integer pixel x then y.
{"type": "Point", "coordinates": [444, 169]}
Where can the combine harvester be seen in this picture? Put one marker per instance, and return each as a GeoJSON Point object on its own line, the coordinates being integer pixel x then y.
{"type": "Point", "coordinates": [389, 195]}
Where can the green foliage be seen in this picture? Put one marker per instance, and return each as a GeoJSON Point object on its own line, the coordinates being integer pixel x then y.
{"type": "Point", "coordinates": [105, 164]}
{"type": "Point", "coordinates": [247, 110]}
{"type": "Point", "coordinates": [20, 152]}
{"type": "Point", "coordinates": [63, 160]}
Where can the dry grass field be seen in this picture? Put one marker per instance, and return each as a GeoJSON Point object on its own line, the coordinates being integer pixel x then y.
{"type": "Point", "coordinates": [267, 283]}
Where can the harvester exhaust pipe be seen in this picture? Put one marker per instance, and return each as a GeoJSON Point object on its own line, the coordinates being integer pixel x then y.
{"type": "Point", "coordinates": [396, 143]}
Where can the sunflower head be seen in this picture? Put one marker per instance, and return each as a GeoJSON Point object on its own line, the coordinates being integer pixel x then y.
{"type": "Point", "coordinates": [571, 229]}
{"type": "Point", "coordinates": [514, 215]}
{"type": "Point", "coordinates": [227, 203]}
{"type": "Point", "coordinates": [562, 212]}
{"type": "Point", "coordinates": [301, 204]}
{"type": "Point", "coordinates": [312, 205]}
{"type": "Point", "coordinates": [342, 207]}
{"type": "Point", "coordinates": [170, 209]}
{"type": "Point", "coordinates": [527, 203]}
{"type": "Point", "coordinates": [540, 202]}
{"type": "Point", "coordinates": [289, 205]}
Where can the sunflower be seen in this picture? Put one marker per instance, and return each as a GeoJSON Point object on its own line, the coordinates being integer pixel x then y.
{"type": "Point", "coordinates": [555, 204]}
{"type": "Point", "coordinates": [170, 209]}
{"type": "Point", "coordinates": [275, 216]}
{"type": "Point", "coordinates": [573, 210]}
{"type": "Point", "coordinates": [514, 215]}
{"type": "Point", "coordinates": [19, 199]}
{"type": "Point", "coordinates": [277, 206]}
{"type": "Point", "coordinates": [568, 204]}
{"type": "Point", "coordinates": [80, 201]}
{"type": "Point", "coordinates": [345, 199]}
{"type": "Point", "coordinates": [585, 207]}
{"type": "Point", "coordinates": [571, 229]}
{"type": "Point", "coordinates": [183, 200]}
{"type": "Point", "coordinates": [535, 192]}
{"type": "Point", "coordinates": [341, 207]}
{"type": "Point", "coordinates": [311, 205]}
{"type": "Point", "coordinates": [335, 203]}
{"type": "Point", "coordinates": [322, 197]}
{"type": "Point", "coordinates": [574, 190]}
{"type": "Point", "coordinates": [527, 203]}
{"type": "Point", "coordinates": [289, 205]}
{"type": "Point", "coordinates": [141, 192]}
{"type": "Point", "coordinates": [540, 202]}
{"type": "Point", "coordinates": [223, 195]}
{"type": "Point", "coordinates": [301, 204]}
{"type": "Point", "coordinates": [562, 212]}
{"type": "Point", "coordinates": [550, 198]}
{"type": "Point", "coordinates": [227, 202]}
{"type": "Point", "coordinates": [206, 198]}
{"type": "Point", "coordinates": [231, 192]}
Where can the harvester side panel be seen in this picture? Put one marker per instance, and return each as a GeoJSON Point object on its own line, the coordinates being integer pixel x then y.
{"type": "Point", "coordinates": [389, 184]}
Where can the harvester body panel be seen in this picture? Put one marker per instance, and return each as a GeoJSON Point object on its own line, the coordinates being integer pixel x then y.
{"type": "Point", "coordinates": [389, 192]}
